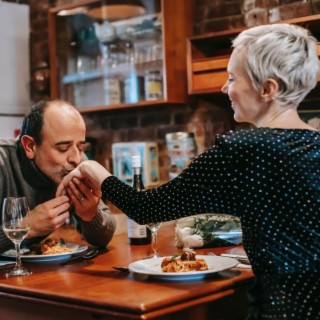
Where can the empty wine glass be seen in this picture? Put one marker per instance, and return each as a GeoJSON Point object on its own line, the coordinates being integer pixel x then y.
{"type": "Point", "coordinates": [154, 227]}
{"type": "Point", "coordinates": [15, 224]}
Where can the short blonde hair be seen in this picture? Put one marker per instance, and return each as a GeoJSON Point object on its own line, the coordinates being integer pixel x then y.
{"type": "Point", "coordinates": [284, 52]}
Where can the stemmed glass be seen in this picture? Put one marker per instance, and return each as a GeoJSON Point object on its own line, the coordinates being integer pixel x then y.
{"type": "Point", "coordinates": [16, 225]}
{"type": "Point", "coordinates": [154, 227]}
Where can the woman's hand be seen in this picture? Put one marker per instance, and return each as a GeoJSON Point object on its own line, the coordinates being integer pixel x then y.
{"type": "Point", "coordinates": [84, 198]}
{"type": "Point", "coordinates": [90, 171]}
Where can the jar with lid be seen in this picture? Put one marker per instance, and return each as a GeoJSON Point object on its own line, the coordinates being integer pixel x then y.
{"type": "Point", "coordinates": [153, 85]}
{"type": "Point", "coordinates": [182, 150]}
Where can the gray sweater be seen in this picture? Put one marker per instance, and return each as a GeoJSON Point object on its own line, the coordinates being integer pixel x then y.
{"type": "Point", "coordinates": [19, 176]}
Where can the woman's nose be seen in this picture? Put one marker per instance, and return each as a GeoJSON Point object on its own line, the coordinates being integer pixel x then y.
{"type": "Point", "coordinates": [224, 88]}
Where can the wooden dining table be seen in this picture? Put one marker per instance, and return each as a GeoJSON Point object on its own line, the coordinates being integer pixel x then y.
{"type": "Point", "coordinates": [93, 289]}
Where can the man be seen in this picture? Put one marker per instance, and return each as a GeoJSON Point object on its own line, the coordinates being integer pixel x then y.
{"type": "Point", "coordinates": [51, 145]}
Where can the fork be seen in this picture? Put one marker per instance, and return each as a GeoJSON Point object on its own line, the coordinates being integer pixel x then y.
{"type": "Point", "coordinates": [240, 259]}
{"type": "Point", "coordinates": [90, 253]}
{"type": "Point", "coordinates": [122, 269]}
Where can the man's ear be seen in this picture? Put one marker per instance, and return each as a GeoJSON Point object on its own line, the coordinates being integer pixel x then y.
{"type": "Point", "coordinates": [269, 90]}
{"type": "Point", "coordinates": [29, 146]}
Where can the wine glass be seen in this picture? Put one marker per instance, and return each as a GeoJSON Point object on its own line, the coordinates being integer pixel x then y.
{"type": "Point", "coordinates": [15, 224]}
{"type": "Point", "coordinates": [154, 227]}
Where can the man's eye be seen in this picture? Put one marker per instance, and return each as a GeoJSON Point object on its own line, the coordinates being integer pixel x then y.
{"type": "Point", "coordinates": [63, 150]}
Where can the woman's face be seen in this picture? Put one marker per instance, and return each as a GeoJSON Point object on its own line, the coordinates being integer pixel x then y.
{"type": "Point", "coordinates": [246, 101]}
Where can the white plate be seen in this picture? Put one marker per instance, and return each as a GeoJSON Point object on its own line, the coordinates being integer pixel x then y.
{"type": "Point", "coordinates": [76, 248]}
{"type": "Point", "coordinates": [152, 267]}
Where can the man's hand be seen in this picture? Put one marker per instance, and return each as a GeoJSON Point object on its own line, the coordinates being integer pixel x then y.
{"type": "Point", "coordinates": [84, 197]}
{"type": "Point", "coordinates": [48, 216]}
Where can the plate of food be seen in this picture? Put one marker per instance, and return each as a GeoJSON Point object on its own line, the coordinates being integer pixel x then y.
{"type": "Point", "coordinates": [47, 251]}
{"type": "Point", "coordinates": [187, 266]}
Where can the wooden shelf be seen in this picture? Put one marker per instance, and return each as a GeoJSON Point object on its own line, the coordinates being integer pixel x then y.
{"type": "Point", "coordinates": [208, 55]}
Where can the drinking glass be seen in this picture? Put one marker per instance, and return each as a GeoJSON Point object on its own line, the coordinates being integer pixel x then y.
{"type": "Point", "coordinates": [154, 227]}
{"type": "Point", "coordinates": [15, 224]}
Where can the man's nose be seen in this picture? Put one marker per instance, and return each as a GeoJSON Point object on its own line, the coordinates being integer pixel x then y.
{"type": "Point", "coordinates": [75, 156]}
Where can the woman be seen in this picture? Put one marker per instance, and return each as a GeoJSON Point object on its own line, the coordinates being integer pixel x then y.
{"type": "Point", "coordinates": [268, 176]}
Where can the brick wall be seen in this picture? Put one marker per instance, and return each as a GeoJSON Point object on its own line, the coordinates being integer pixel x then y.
{"type": "Point", "coordinates": [205, 117]}
{"type": "Point", "coordinates": [152, 123]}
{"type": "Point", "coordinates": [214, 15]}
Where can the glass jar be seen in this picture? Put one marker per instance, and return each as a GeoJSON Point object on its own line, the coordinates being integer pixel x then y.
{"type": "Point", "coordinates": [153, 85]}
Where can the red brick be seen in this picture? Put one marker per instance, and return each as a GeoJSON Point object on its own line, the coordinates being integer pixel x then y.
{"type": "Point", "coordinates": [266, 3]}
{"type": "Point", "coordinates": [256, 17]}
{"type": "Point", "coordinates": [39, 56]}
{"type": "Point", "coordinates": [201, 13]}
{"type": "Point", "coordinates": [290, 11]}
{"type": "Point", "coordinates": [39, 6]}
{"type": "Point", "coordinates": [316, 7]}
{"type": "Point", "coordinates": [248, 5]}
{"type": "Point", "coordinates": [142, 134]}
{"type": "Point", "coordinates": [281, 2]}
{"type": "Point", "coordinates": [237, 21]}
{"type": "Point", "coordinates": [218, 24]}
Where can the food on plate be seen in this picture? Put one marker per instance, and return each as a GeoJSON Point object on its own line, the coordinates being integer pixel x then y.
{"type": "Point", "coordinates": [185, 262]}
{"type": "Point", "coordinates": [48, 246]}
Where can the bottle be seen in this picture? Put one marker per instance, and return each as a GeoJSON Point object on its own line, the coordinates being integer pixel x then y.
{"type": "Point", "coordinates": [138, 234]}
{"type": "Point", "coordinates": [153, 85]}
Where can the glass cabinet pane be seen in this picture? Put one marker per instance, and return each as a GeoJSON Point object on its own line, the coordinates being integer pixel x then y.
{"type": "Point", "coordinates": [109, 53]}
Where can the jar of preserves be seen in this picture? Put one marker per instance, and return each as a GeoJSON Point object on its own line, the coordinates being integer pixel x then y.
{"type": "Point", "coordinates": [153, 85]}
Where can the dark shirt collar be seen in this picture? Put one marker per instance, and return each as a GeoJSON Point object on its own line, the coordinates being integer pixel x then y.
{"type": "Point", "coordinates": [31, 172]}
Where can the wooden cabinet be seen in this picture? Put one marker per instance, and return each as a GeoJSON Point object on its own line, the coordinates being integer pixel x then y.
{"type": "Point", "coordinates": [208, 56]}
{"type": "Point", "coordinates": [103, 57]}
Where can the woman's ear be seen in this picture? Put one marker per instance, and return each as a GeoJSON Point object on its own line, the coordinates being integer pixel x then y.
{"type": "Point", "coordinates": [29, 146]}
{"type": "Point", "coordinates": [269, 90]}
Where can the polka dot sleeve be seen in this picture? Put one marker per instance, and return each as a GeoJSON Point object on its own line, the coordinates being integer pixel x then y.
{"type": "Point", "coordinates": [202, 187]}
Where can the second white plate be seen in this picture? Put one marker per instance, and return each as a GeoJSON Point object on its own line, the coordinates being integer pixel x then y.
{"type": "Point", "coordinates": [76, 248]}
{"type": "Point", "coordinates": [152, 267]}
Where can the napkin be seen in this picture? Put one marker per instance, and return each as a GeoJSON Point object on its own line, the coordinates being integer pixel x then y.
{"type": "Point", "coordinates": [243, 266]}
{"type": "Point", "coordinates": [5, 263]}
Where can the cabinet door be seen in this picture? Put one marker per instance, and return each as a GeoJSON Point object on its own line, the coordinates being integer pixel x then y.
{"type": "Point", "coordinates": [114, 54]}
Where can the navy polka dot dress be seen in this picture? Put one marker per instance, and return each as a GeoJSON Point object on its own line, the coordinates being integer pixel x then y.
{"type": "Point", "coordinates": [270, 178]}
